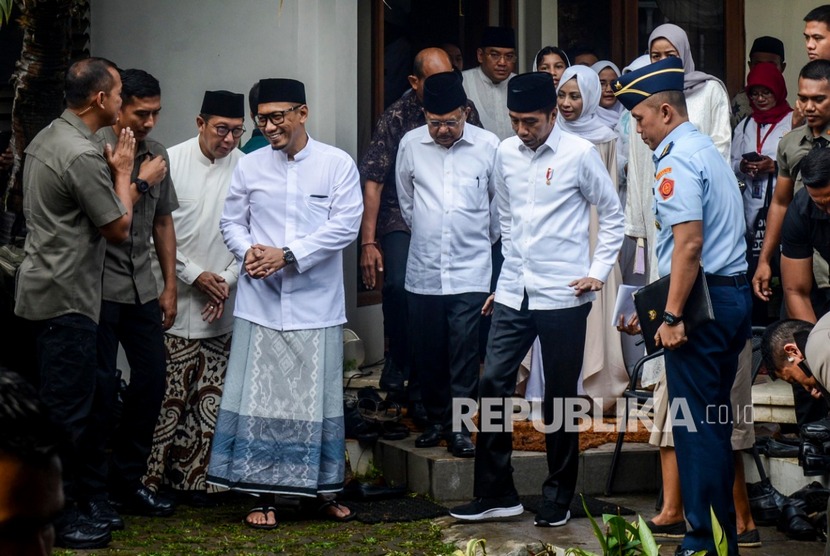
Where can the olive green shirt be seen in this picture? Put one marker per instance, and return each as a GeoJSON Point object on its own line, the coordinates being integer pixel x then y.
{"type": "Point", "coordinates": [128, 275]}
{"type": "Point", "coordinates": [68, 195]}
{"type": "Point", "coordinates": [791, 149]}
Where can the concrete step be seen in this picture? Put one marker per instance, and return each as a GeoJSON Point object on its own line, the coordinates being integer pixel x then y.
{"type": "Point", "coordinates": [772, 402]}
{"type": "Point", "coordinates": [436, 473]}
{"type": "Point", "coordinates": [784, 473]}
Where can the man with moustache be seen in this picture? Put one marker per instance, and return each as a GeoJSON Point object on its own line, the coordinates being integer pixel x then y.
{"type": "Point", "coordinates": [486, 85]}
{"type": "Point", "coordinates": [384, 236]}
{"type": "Point", "coordinates": [445, 190]}
{"type": "Point", "coordinates": [290, 211]}
{"type": "Point", "coordinates": [199, 341]}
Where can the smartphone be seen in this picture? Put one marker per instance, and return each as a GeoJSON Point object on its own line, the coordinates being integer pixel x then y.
{"type": "Point", "coordinates": [5, 139]}
{"type": "Point", "coordinates": [752, 157]}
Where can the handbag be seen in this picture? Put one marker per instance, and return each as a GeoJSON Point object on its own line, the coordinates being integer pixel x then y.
{"type": "Point", "coordinates": [755, 236]}
{"type": "Point", "coordinates": [650, 302]}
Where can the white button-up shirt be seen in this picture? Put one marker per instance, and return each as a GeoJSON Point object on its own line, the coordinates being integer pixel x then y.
{"type": "Point", "coordinates": [544, 199]}
{"type": "Point", "coordinates": [445, 197]}
{"type": "Point", "coordinates": [312, 205]}
{"type": "Point", "coordinates": [201, 187]}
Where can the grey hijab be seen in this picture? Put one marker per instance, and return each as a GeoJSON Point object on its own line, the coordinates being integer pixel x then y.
{"type": "Point", "coordinates": [692, 79]}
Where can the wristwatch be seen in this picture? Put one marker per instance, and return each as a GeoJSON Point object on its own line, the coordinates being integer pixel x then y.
{"type": "Point", "coordinates": [142, 185]}
{"type": "Point", "coordinates": [288, 256]}
{"type": "Point", "coordinates": [671, 319]}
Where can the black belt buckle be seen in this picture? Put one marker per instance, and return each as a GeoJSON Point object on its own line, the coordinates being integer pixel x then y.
{"type": "Point", "coordinates": [734, 280]}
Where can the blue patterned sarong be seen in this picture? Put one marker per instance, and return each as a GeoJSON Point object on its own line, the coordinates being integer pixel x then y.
{"type": "Point", "coordinates": [280, 425]}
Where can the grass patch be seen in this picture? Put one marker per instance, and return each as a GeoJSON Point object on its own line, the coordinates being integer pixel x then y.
{"type": "Point", "coordinates": [220, 532]}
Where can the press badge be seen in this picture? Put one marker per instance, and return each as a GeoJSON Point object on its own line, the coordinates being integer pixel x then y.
{"type": "Point", "coordinates": [756, 189]}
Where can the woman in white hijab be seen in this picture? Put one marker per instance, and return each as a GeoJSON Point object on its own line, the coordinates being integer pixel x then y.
{"type": "Point", "coordinates": [610, 109]}
{"type": "Point", "coordinates": [604, 376]}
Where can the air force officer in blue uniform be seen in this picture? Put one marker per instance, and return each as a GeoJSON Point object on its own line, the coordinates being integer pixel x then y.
{"type": "Point", "coordinates": [697, 210]}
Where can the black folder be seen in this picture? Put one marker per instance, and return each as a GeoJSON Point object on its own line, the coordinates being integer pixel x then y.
{"type": "Point", "coordinates": [650, 302]}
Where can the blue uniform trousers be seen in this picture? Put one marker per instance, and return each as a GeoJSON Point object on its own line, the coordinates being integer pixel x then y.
{"type": "Point", "coordinates": [700, 376]}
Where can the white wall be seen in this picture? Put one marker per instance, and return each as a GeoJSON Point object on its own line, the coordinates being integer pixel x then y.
{"type": "Point", "coordinates": [784, 20]}
{"type": "Point", "coordinates": [197, 45]}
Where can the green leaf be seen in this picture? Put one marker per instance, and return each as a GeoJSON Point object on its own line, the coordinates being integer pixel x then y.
{"type": "Point", "coordinates": [5, 11]}
{"type": "Point", "coordinates": [650, 547]}
{"type": "Point", "coordinates": [721, 546]}
{"type": "Point", "coordinates": [597, 532]}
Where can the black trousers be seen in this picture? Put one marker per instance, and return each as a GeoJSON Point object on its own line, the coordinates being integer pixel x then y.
{"type": "Point", "coordinates": [562, 335]}
{"type": "Point", "coordinates": [138, 328]}
{"type": "Point", "coordinates": [67, 364]}
{"type": "Point", "coordinates": [396, 328]}
{"type": "Point", "coordinates": [445, 350]}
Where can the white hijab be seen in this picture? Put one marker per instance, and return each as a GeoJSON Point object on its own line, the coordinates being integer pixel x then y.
{"type": "Point", "coordinates": [609, 116]}
{"type": "Point", "coordinates": [588, 125]}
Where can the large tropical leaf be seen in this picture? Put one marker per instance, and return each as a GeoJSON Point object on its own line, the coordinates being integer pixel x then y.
{"type": "Point", "coordinates": [5, 11]}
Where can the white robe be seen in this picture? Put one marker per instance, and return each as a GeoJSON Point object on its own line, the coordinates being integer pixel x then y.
{"type": "Point", "coordinates": [490, 100]}
{"type": "Point", "coordinates": [201, 187]}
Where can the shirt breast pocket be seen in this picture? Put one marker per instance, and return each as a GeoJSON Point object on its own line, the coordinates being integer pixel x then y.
{"type": "Point", "coordinates": [471, 194]}
{"type": "Point", "coordinates": [316, 210]}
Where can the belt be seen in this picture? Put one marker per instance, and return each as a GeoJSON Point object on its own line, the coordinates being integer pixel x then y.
{"type": "Point", "coordinates": [736, 280]}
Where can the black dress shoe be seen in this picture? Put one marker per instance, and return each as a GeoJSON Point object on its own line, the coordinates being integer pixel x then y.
{"type": "Point", "coordinates": [101, 511]}
{"type": "Point", "coordinates": [795, 522]}
{"type": "Point", "coordinates": [461, 446]}
{"type": "Point", "coordinates": [430, 437]}
{"type": "Point", "coordinates": [777, 449]}
{"type": "Point", "coordinates": [814, 497]}
{"type": "Point", "coordinates": [144, 502]}
{"type": "Point", "coordinates": [75, 531]}
{"type": "Point", "coordinates": [818, 431]}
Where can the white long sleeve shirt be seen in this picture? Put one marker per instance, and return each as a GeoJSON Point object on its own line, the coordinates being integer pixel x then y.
{"type": "Point", "coordinates": [445, 196]}
{"type": "Point", "coordinates": [201, 187]}
{"type": "Point", "coordinates": [744, 140]}
{"type": "Point", "coordinates": [313, 206]}
{"type": "Point", "coordinates": [490, 100]}
{"type": "Point", "coordinates": [544, 200]}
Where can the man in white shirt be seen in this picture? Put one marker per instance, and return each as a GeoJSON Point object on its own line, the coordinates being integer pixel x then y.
{"type": "Point", "coordinates": [198, 343]}
{"type": "Point", "coordinates": [546, 181]}
{"type": "Point", "coordinates": [443, 176]}
{"type": "Point", "coordinates": [486, 85]}
{"type": "Point", "coordinates": [290, 211]}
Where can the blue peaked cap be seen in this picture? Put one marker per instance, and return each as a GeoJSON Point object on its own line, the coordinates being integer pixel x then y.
{"type": "Point", "coordinates": [634, 87]}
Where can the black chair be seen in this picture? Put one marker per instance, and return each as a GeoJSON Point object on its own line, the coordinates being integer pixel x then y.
{"type": "Point", "coordinates": [631, 394]}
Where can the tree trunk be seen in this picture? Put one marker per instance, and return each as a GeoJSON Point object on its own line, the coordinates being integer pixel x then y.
{"type": "Point", "coordinates": [38, 79]}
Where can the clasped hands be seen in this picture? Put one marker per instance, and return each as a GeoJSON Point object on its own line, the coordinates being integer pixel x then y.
{"type": "Point", "coordinates": [261, 261]}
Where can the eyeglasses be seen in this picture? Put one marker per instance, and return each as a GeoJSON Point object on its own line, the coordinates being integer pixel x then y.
{"type": "Point", "coordinates": [438, 124]}
{"type": "Point", "coordinates": [758, 93]}
{"type": "Point", "coordinates": [275, 118]}
{"type": "Point", "coordinates": [223, 130]}
{"type": "Point", "coordinates": [496, 56]}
